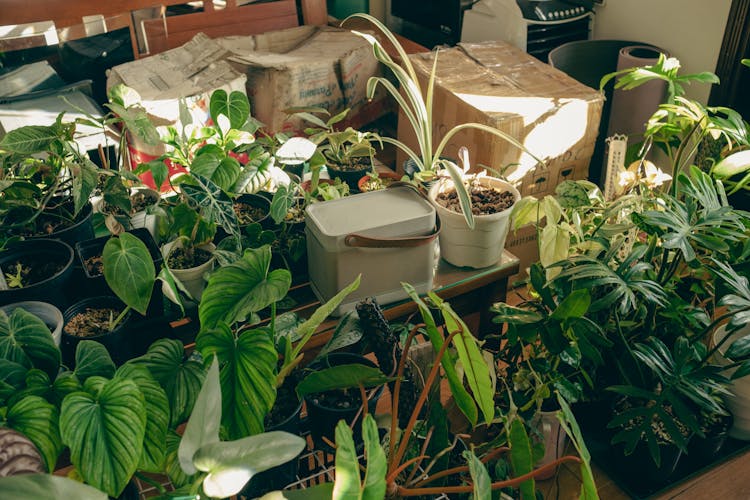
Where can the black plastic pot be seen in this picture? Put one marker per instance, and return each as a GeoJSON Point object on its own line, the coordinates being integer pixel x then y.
{"type": "Point", "coordinates": [322, 419]}
{"type": "Point", "coordinates": [351, 177]}
{"type": "Point", "coordinates": [704, 450]}
{"type": "Point", "coordinates": [640, 464]}
{"type": "Point", "coordinates": [118, 342]}
{"type": "Point", "coordinates": [95, 284]}
{"type": "Point", "coordinates": [280, 476]}
{"type": "Point", "coordinates": [82, 229]}
{"type": "Point", "coordinates": [410, 169]}
{"type": "Point", "coordinates": [42, 251]}
{"type": "Point", "coordinates": [254, 200]}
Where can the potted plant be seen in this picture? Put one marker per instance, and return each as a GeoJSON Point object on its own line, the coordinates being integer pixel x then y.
{"type": "Point", "coordinates": [35, 270]}
{"type": "Point", "coordinates": [112, 421]}
{"type": "Point", "coordinates": [375, 180]}
{"type": "Point", "coordinates": [46, 184]}
{"type": "Point", "coordinates": [129, 272]}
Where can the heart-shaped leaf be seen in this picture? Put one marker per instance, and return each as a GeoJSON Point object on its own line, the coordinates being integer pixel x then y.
{"type": "Point", "coordinates": [37, 419]}
{"type": "Point", "coordinates": [105, 433]}
{"type": "Point", "coordinates": [129, 270]}
{"type": "Point", "coordinates": [234, 106]}
{"type": "Point", "coordinates": [248, 366]}
{"type": "Point", "coordinates": [180, 377]}
{"type": "Point", "coordinates": [244, 287]}
{"type": "Point", "coordinates": [92, 358]}
{"type": "Point", "coordinates": [157, 416]}
{"type": "Point", "coordinates": [26, 339]}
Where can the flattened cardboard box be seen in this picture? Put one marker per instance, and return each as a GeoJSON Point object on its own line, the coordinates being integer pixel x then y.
{"type": "Point", "coordinates": [305, 66]}
{"type": "Point", "coordinates": [496, 84]}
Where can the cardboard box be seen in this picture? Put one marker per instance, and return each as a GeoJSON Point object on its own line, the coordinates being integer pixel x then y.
{"type": "Point", "coordinates": [305, 66]}
{"type": "Point", "coordinates": [497, 84]}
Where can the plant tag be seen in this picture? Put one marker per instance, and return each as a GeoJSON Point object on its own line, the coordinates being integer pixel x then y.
{"type": "Point", "coordinates": [618, 145]}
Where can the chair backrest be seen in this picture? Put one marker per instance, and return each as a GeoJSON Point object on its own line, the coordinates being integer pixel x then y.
{"type": "Point", "coordinates": [71, 18]}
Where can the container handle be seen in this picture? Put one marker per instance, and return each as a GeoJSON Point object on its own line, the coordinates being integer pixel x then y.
{"type": "Point", "coordinates": [360, 241]}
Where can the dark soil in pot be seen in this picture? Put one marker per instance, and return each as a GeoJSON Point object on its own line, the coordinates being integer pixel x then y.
{"type": "Point", "coordinates": [324, 410]}
{"type": "Point", "coordinates": [57, 224]}
{"type": "Point", "coordinates": [188, 258]}
{"type": "Point", "coordinates": [251, 208]}
{"type": "Point", "coordinates": [41, 267]}
{"type": "Point", "coordinates": [89, 319]}
{"type": "Point", "coordinates": [485, 200]}
{"type": "Point", "coordinates": [352, 172]}
{"type": "Point", "coordinates": [140, 200]}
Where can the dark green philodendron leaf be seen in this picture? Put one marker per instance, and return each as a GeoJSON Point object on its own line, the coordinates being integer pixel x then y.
{"type": "Point", "coordinates": [26, 339]}
{"type": "Point", "coordinates": [92, 358]}
{"type": "Point", "coordinates": [237, 290]}
{"type": "Point", "coordinates": [574, 305]}
{"type": "Point", "coordinates": [234, 106]}
{"type": "Point", "coordinates": [47, 486]}
{"type": "Point", "coordinates": [30, 139]}
{"type": "Point", "coordinates": [105, 433]}
{"type": "Point", "coordinates": [463, 399]}
{"type": "Point", "coordinates": [157, 417]}
{"type": "Point", "coordinates": [84, 184]}
{"type": "Point", "coordinates": [248, 376]}
{"type": "Point", "coordinates": [341, 377]}
{"type": "Point", "coordinates": [282, 201]}
{"type": "Point", "coordinates": [37, 419]}
{"type": "Point", "coordinates": [479, 476]}
{"type": "Point", "coordinates": [12, 378]}
{"type": "Point", "coordinates": [129, 270]}
{"type": "Point", "coordinates": [521, 456]}
{"type": "Point", "coordinates": [505, 313]}
{"type": "Point", "coordinates": [231, 464]}
{"type": "Point", "coordinates": [180, 377]}
{"type": "Point", "coordinates": [203, 425]}
{"type": "Point", "coordinates": [222, 171]}
{"type": "Point", "coordinates": [172, 467]}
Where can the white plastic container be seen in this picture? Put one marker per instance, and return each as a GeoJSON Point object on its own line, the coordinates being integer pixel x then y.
{"type": "Point", "coordinates": [388, 236]}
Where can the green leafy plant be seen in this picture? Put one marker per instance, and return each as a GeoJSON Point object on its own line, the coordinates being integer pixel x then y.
{"type": "Point", "coordinates": [415, 101]}
{"type": "Point", "coordinates": [220, 469]}
{"type": "Point", "coordinates": [113, 421]}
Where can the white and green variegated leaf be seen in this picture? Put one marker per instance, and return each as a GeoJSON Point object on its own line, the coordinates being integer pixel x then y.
{"type": "Point", "coordinates": [203, 425]}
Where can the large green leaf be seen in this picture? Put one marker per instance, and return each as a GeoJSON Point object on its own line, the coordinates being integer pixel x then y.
{"type": "Point", "coordinates": [248, 376]}
{"type": "Point", "coordinates": [341, 377]}
{"type": "Point", "coordinates": [479, 476]}
{"type": "Point", "coordinates": [37, 419]}
{"type": "Point", "coordinates": [574, 305]}
{"type": "Point", "coordinates": [129, 270]}
{"type": "Point", "coordinates": [26, 339]}
{"type": "Point", "coordinates": [29, 139]}
{"type": "Point", "coordinates": [84, 183]}
{"type": "Point", "coordinates": [222, 171]}
{"type": "Point", "coordinates": [92, 358]}
{"type": "Point", "coordinates": [172, 467]}
{"type": "Point", "coordinates": [244, 287]}
{"type": "Point", "coordinates": [12, 378]}
{"type": "Point", "coordinates": [181, 377]}
{"type": "Point", "coordinates": [47, 486]}
{"type": "Point", "coordinates": [234, 106]}
{"type": "Point", "coordinates": [105, 433]}
{"type": "Point", "coordinates": [521, 456]}
{"type": "Point", "coordinates": [476, 368]}
{"type": "Point", "coordinates": [231, 464]}
{"type": "Point", "coordinates": [463, 399]}
{"type": "Point", "coordinates": [570, 426]}
{"type": "Point", "coordinates": [157, 417]}
{"type": "Point", "coordinates": [203, 425]}
{"type": "Point", "coordinates": [347, 485]}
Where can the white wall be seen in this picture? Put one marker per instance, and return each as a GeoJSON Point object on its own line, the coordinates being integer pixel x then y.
{"type": "Point", "coordinates": [690, 30]}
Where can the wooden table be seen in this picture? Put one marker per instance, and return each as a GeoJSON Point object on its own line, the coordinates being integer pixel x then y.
{"type": "Point", "coordinates": [469, 291]}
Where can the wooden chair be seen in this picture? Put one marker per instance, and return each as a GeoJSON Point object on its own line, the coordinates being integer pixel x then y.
{"type": "Point", "coordinates": [71, 19]}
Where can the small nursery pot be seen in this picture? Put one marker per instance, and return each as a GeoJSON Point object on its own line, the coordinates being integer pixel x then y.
{"type": "Point", "coordinates": [479, 247]}
{"type": "Point", "coordinates": [351, 177]}
{"type": "Point", "coordinates": [55, 254]}
{"type": "Point", "coordinates": [322, 418]}
{"type": "Point", "coordinates": [82, 229]}
{"type": "Point", "coordinates": [51, 315]}
{"type": "Point", "coordinates": [260, 205]}
{"type": "Point", "coordinates": [555, 439]}
{"type": "Point", "coordinates": [193, 279]}
{"type": "Point", "coordinates": [118, 341]}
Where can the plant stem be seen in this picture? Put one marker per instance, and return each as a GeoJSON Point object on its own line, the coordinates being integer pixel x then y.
{"type": "Point", "coordinates": [113, 324]}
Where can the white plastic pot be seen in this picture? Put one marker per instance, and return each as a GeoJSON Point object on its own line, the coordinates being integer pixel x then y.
{"type": "Point", "coordinates": [193, 279]}
{"type": "Point", "coordinates": [51, 315]}
{"type": "Point", "coordinates": [738, 402]}
{"type": "Point", "coordinates": [555, 439]}
{"type": "Point", "coordinates": [479, 247]}
{"type": "Point", "coordinates": [138, 219]}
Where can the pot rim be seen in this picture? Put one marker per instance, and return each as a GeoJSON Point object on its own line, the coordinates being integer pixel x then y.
{"type": "Point", "coordinates": [447, 183]}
